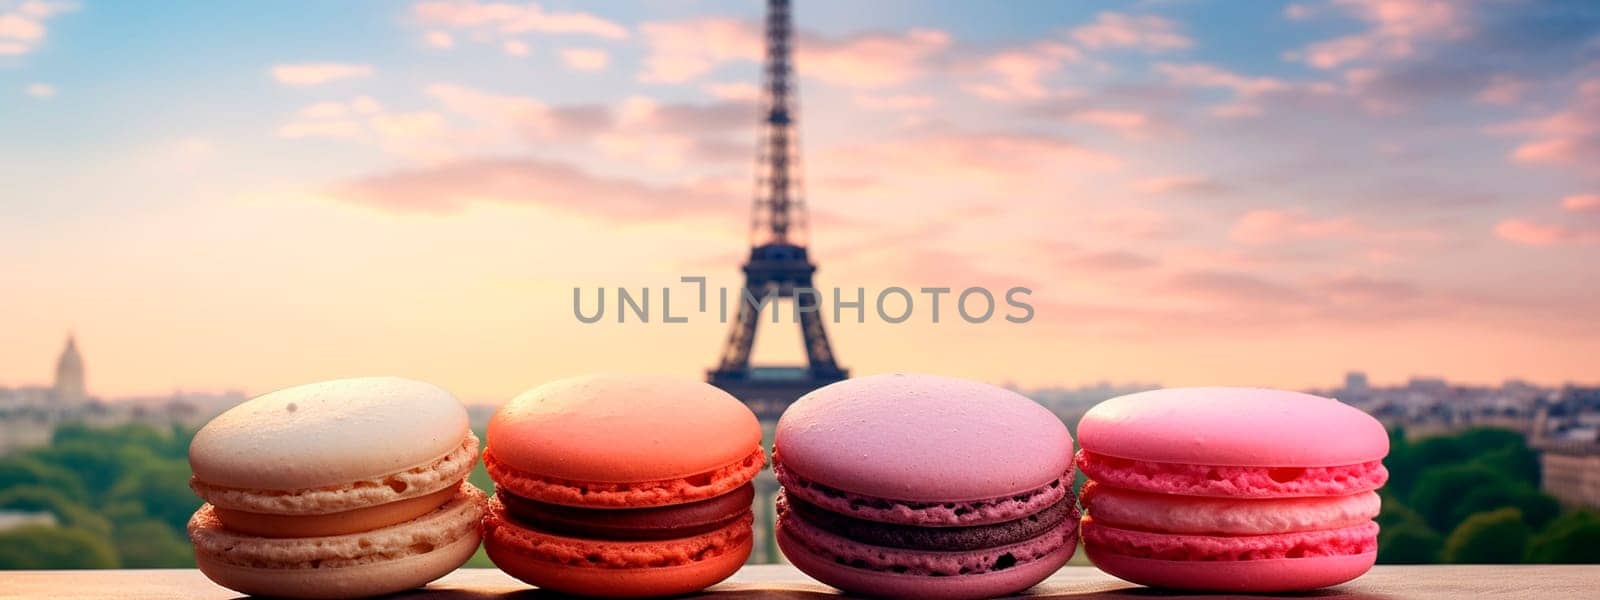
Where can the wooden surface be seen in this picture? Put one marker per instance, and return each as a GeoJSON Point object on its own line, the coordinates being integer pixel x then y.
{"type": "Point", "coordinates": [783, 582]}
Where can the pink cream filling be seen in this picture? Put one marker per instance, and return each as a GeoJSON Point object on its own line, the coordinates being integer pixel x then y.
{"type": "Point", "coordinates": [1232, 482]}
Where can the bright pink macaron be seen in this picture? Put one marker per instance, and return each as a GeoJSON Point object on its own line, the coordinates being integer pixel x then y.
{"type": "Point", "coordinates": [916, 486]}
{"type": "Point", "coordinates": [1231, 489]}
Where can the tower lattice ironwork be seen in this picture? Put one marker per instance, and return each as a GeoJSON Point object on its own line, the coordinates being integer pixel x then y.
{"type": "Point", "coordinates": [778, 264]}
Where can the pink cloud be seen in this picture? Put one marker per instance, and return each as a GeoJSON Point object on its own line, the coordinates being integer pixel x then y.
{"type": "Point", "coordinates": [585, 59]}
{"type": "Point", "coordinates": [438, 39]}
{"type": "Point", "coordinates": [733, 91]}
{"type": "Point", "coordinates": [895, 102]}
{"type": "Point", "coordinates": [1581, 203]}
{"type": "Point", "coordinates": [1503, 90]}
{"type": "Point", "coordinates": [454, 186]}
{"type": "Point", "coordinates": [1271, 226]}
{"type": "Point", "coordinates": [1530, 233]}
{"type": "Point", "coordinates": [681, 51]}
{"type": "Point", "coordinates": [1568, 136]}
{"type": "Point", "coordinates": [310, 74]}
{"type": "Point", "coordinates": [1180, 184]}
{"type": "Point", "coordinates": [515, 48]}
{"type": "Point", "coordinates": [986, 155]}
{"type": "Point", "coordinates": [871, 60]}
{"type": "Point", "coordinates": [511, 18]}
{"type": "Point", "coordinates": [1144, 32]}
{"type": "Point", "coordinates": [1126, 122]}
{"type": "Point", "coordinates": [1018, 74]}
{"type": "Point", "coordinates": [23, 25]}
{"type": "Point", "coordinates": [1212, 76]}
{"type": "Point", "coordinates": [1395, 28]}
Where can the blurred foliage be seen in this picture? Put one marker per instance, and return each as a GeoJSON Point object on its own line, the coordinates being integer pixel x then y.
{"type": "Point", "coordinates": [1573, 538]}
{"type": "Point", "coordinates": [47, 547]}
{"type": "Point", "coordinates": [1494, 537]}
{"type": "Point", "coordinates": [120, 498]}
{"type": "Point", "coordinates": [1474, 498]}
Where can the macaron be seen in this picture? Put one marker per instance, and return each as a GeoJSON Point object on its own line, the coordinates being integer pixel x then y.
{"type": "Point", "coordinates": [337, 489]}
{"type": "Point", "coordinates": [622, 485]}
{"type": "Point", "coordinates": [1231, 489]}
{"type": "Point", "coordinates": [919, 486]}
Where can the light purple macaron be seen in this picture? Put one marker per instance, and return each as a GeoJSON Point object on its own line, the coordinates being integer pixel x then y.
{"type": "Point", "coordinates": [924, 486]}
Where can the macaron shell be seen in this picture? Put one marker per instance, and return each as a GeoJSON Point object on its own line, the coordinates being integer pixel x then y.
{"type": "Point", "coordinates": [1343, 541]}
{"type": "Point", "coordinates": [881, 436]}
{"type": "Point", "coordinates": [382, 561]}
{"type": "Point", "coordinates": [933, 564]}
{"type": "Point", "coordinates": [459, 517]}
{"type": "Point", "coordinates": [1232, 482]}
{"type": "Point", "coordinates": [618, 583]}
{"type": "Point", "coordinates": [625, 495]}
{"type": "Point", "coordinates": [612, 554]}
{"type": "Point", "coordinates": [1239, 427]}
{"type": "Point", "coordinates": [893, 585]}
{"type": "Point", "coordinates": [618, 569]}
{"type": "Point", "coordinates": [421, 480]}
{"type": "Point", "coordinates": [328, 433]}
{"type": "Point", "coordinates": [358, 581]}
{"type": "Point", "coordinates": [1198, 515]}
{"type": "Point", "coordinates": [622, 429]}
{"type": "Point", "coordinates": [1251, 576]}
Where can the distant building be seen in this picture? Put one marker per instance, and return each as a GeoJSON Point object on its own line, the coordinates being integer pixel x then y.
{"type": "Point", "coordinates": [29, 415]}
{"type": "Point", "coordinates": [69, 388]}
{"type": "Point", "coordinates": [1569, 464]}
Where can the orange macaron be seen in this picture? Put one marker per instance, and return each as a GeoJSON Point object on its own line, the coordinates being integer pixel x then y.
{"type": "Point", "coordinates": [622, 485]}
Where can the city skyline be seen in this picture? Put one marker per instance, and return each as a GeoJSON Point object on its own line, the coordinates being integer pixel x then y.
{"type": "Point", "coordinates": [415, 189]}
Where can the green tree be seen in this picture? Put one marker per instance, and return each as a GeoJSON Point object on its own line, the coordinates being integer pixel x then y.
{"type": "Point", "coordinates": [151, 544]}
{"type": "Point", "coordinates": [1440, 489]}
{"type": "Point", "coordinates": [45, 547]}
{"type": "Point", "coordinates": [1409, 543]}
{"type": "Point", "coordinates": [98, 464]}
{"type": "Point", "coordinates": [1494, 537]}
{"type": "Point", "coordinates": [33, 498]}
{"type": "Point", "coordinates": [1537, 508]}
{"type": "Point", "coordinates": [25, 470]}
{"type": "Point", "coordinates": [1571, 539]}
{"type": "Point", "coordinates": [1517, 461]}
{"type": "Point", "coordinates": [162, 488]}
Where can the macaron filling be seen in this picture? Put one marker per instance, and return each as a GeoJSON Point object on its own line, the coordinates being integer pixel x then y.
{"type": "Point", "coordinates": [1129, 509]}
{"type": "Point", "coordinates": [653, 523]}
{"type": "Point", "coordinates": [506, 533]}
{"type": "Point", "coordinates": [891, 535]}
{"type": "Point", "coordinates": [1229, 481]}
{"type": "Point", "coordinates": [926, 563]}
{"type": "Point", "coordinates": [1343, 541]}
{"type": "Point", "coordinates": [624, 494]}
{"type": "Point", "coordinates": [350, 521]}
{"type": "Point", "coordinates": [457, 518]}
{"type": "Point", "coordinates": [927, 514]}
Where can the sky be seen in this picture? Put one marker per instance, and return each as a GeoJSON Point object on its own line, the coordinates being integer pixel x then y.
{"type": "Point", "coordinates": [247, 195]}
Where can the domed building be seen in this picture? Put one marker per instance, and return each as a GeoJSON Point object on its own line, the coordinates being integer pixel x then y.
{"type": "Point", "coordinates": [69, 388]}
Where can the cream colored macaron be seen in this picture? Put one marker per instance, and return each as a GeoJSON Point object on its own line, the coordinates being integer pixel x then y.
{"type": "Point", "coordinates": [342, 488]}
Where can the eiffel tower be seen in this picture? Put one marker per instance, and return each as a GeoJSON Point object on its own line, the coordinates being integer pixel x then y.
{"type": "Point", "coordinates": [778, 263]}
{"type": "Point", "coordinates": [778, 266]}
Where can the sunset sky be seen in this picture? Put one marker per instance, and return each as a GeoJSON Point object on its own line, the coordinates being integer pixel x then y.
{"type": "Point", "coordinates": [248, 195]}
